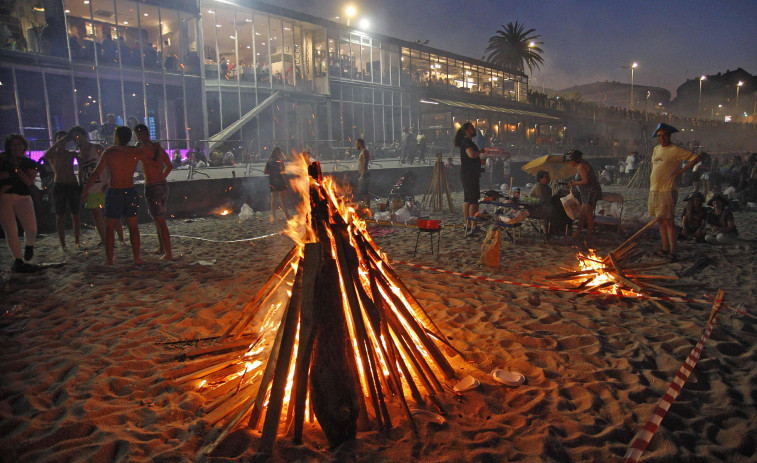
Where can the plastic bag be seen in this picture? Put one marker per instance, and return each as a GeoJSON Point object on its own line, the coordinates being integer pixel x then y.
{"type": "Point", "coordinates": [571, 205]}
{"type": "Point", "coordinates": [490, 249]}
{"type": "Point", "coordinates": [246, 213]}
{"type": "Point", "coordinates": [386, 215]}
{"type": "Point", "coordinates": [402, 215]}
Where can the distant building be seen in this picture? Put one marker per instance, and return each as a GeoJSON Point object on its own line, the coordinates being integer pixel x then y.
{"type": "Point", "coordinates": [718, 96]}
{"type": "Point", "coordinates": [650, 99]}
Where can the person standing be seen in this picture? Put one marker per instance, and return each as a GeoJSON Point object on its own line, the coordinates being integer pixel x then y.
{"type": "Point", "coordinates": [408, 146]}
{"type": "Point", "coordinates": [88, 157]}
{"type": "Point", "coordinates": [589, 192]}
{"type": "Point", "coordinates": [121, 198]}
{"type": "Point", "coordinates": [470, 171]}
{"type": "Point", "coordinates": [631, 166]}
{"type": "Point", "coordinates": [108, 128]}
{"type": "Point", "coordinates": [274, 168]}
{"type": "Point", "coordinates": [363, 160]}
{"type": "Point", "coordinates": [17, 174]}
{"type": "Point", "coordinates": [156, 187]}
{"type": "Point", "coordinates": [421, 145]}
{"type": "Point", "coordinates": [66, 188]}
{"type": "Point", "coordinates": [666, 167]}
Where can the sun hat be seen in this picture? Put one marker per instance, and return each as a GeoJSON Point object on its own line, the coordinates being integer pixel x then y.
{"type": "Point", "coordinates": [718, 197]}
{"type": "Point", "coordinates": [663, 126]}
{"type": "Point", "coordinates": [572, 155]}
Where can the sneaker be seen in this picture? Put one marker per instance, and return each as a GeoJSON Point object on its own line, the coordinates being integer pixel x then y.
{"type": "Point", "coordinates": [28, 252]}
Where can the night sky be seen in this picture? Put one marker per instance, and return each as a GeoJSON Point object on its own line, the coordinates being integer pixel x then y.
{"type": "Point", "coordinates": [584, 41]}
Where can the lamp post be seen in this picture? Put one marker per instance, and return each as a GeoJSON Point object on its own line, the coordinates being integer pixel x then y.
{"type": "Point", "coordinates": [350, 11]}
{"type": "Point", "coordinates": [633, 66]}
{"type": "Point", "coordinates": [738, 87]}
{"type": "Point", "coordinates": [699, 104]}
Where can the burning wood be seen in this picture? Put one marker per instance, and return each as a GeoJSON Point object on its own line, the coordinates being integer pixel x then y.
{"type": "Point", "coordinates": [335, 333]}
{"type": "Point", "coordinates": [614, 275]}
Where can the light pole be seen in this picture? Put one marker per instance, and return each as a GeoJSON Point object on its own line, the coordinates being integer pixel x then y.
{"type": "Point", "coordinates": [738, 87]}
{"type": "Point", "coordinates": [699, 104]}
{"type": "Point", "coordinates": [633, 66]}
{"type": "Point", "coordinates": [350, 11]}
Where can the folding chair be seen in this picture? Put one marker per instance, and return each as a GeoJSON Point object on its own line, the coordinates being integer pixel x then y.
{"type": "Point", "coordinates": [605, 219]}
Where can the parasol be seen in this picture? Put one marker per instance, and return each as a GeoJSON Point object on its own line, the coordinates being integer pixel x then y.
{"type": "Point", "coordinates": [553, 164]}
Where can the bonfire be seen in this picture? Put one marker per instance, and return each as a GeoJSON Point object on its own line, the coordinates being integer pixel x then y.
{"type": "Point", "coordinates": [332, 337]}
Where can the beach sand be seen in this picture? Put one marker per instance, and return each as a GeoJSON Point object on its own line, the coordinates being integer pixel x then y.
{"type": "Point", "coordinates": [85, 376]}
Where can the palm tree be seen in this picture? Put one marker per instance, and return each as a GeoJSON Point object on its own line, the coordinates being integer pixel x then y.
{"type": "Point", "coordinates": [512, 48]}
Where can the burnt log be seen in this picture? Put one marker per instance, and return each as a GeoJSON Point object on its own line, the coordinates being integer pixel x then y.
{"type": "Point", "coordinates": [334, 391]}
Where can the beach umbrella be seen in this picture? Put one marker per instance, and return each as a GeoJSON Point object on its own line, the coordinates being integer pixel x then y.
{"type": "Point", "coordinates": [553, 164]}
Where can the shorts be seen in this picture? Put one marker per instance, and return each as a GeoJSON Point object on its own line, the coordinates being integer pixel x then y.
{"type": "Point", "coordinates": [94, 200]}
{"type": "Point", "coordinates": [364, 185]}
{"type": "Point", "coordinates": [156, 195]}
{"type": "Point", "coordinates": [121, 202]}
{"type": "Point", "coordinates": [66, 193]}
{"type": "Point", "coordinates": [471, 189]}
{"type": "Point", "coordinates": [662, 204]}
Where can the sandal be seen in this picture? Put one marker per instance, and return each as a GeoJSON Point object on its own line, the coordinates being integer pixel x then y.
{"type": "Point", "coordinates": [661, 253]}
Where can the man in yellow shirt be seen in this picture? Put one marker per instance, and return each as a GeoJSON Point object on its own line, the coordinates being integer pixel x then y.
{"type": "Point", "coordinates": [666, 167]}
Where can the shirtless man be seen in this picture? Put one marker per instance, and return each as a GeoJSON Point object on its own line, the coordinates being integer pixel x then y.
{"type": "Point", "coordinates": [66, 188]}
{"type": "Point", "coordinates": [156, 187]}
{"type": "Point", "coordinates": [121, 199]}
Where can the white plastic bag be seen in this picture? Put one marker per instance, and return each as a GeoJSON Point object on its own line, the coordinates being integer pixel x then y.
{"type": "Point", "coordinates": [246, 213]}
{"type": "Point", "coordinates": [572, 206]}
{"type": "Point", "coordinates": [402, 215]}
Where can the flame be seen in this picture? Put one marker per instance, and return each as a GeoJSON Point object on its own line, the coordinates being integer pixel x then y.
{"type": "Point", "coordinates": [590, 261]}
{"type": "Point", "coordinates": [225, 212]}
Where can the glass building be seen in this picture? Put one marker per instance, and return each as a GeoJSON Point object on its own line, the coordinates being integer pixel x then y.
{"type": "Point", "coordinates": [204, 73]}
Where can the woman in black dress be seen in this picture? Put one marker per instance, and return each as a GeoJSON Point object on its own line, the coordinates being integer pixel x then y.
{"type": "Point", "coordinates": [274, 168]}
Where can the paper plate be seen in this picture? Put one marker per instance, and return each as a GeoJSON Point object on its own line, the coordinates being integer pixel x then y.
{"type": "Point", "coordinates": [509, 378]}
{"type": "Point", "coordinates": [468, 383]}
{"type": "Point", "coordinates": [425, 415]}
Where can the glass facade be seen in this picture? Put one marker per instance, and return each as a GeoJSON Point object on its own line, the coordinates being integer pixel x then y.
{"type": "Point", "coordinates": [190, 72]}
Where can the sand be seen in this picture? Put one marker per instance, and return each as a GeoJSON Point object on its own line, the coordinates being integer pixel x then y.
{"type": "Point", "coordinates": [85, 376]}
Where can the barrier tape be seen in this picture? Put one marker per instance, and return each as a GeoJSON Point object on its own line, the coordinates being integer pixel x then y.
{"type": "Point", "coordinates": [641, 441]}
{"type": "Point", "coordinates": [552, 288]}
{"type": "Point", "coordinates": [244, 240]}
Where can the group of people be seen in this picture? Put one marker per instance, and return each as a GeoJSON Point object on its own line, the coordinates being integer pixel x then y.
{"type": "Point", "coordinates": [413, 146]}
{"type": "Point", "coordinates": [104, 184]}
{"type": "Point", "coordinates": [668, 162]}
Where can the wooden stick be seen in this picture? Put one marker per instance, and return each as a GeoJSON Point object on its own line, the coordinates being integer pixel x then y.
{"type": "Point", "coordinates": [637, 234]}
{"type": "Point", "coordinates": [651, 277]}
{"type": "Point", "coordinates": [635, 286]}
{"type": "Point", "coordinates": [283, 363]}
{"type": "Point", "coordinates": [567, 275]}
{"type": "Point", "coordinates": [311, 264]}
{"type": "Point", "coordinates": [269, 286]}
{"type": "Point", "coordinates": [586, 282]}
{"type": "Point", "coordinates": [661, 289]}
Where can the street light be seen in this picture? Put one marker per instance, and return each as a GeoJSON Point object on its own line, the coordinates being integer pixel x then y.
{"type": "Point", "coordinates": [633, 66]}
{"type": "Point", "coordinates": [738, 87]}
{"type": "Point", "coordinates": [350, 11]}
{"type": "Point", "coordinates": [699, 104]}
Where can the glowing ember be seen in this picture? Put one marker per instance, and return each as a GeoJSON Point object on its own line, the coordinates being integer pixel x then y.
{"type": "Point", "coordinates": [225, 212]}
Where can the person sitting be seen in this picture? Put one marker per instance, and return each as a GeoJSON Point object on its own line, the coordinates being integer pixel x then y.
{"type": "Point", "coordinates": [176, 159]}
{"type": "Point", "coordinates": [543, 192]}
{"type": "Point", "coordinates": [720, 223]}
{"type": "Point", "coordinates": [694, 217]}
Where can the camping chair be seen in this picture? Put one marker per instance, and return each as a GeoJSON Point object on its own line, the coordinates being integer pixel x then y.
{"type": "Point", "coordinates": [604, 205]}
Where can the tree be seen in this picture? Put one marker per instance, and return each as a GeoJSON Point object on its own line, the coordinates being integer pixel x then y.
{"type": "Point", "coordinates": [515, 48]}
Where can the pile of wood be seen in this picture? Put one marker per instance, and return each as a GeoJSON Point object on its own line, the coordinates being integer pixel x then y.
{"type": "Point", "coordinates": [617, 274]}
{"type": "Point", "coordinates": [439, 186]}
{"type": "Point", "coordinates": [331, 336]}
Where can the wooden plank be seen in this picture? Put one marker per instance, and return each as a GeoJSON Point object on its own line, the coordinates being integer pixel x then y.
{"type": "Point", "coordinates": [311, 264]}
{"type": "Point", "coordinates": [283, 364]}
